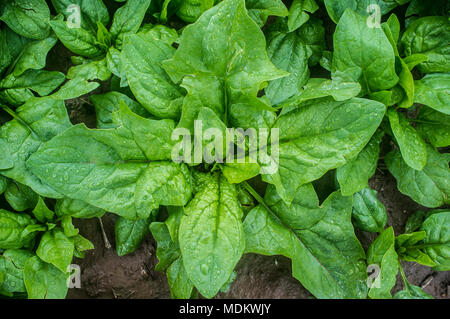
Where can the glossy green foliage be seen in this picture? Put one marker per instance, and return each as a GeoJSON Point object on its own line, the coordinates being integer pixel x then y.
{"type": "Point", "coordinates": [326, 256]}
{"type": "Point", "coordinates": [330, 95]}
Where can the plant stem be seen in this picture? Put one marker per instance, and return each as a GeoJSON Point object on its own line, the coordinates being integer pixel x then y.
{"type": "Point", "coordinates": [402, 273]}
{"type": "Point", "coordinates": [257, 196]}
{"type": "Point", "coordinates": [105, 238]}
{"type": "Point", "coordinates": [19, 119]}
{"type": "Point", "coordinates": [261, 201]}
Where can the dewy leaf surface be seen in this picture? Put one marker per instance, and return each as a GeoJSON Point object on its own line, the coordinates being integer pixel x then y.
{"type": "Point", "coordinates": [382, 253]}
{"type": "Point", "coordinates": [168, 253]}
{"type": "Point", "coordinates": [363, 54]}
{"type": "Point", "coordinates": [211, 235]}
{"type": "Point", "coordinates": [428, 187]}
{"type": "Point", "coordinates": [368, 214]}
{"type": "Point", "coordinates": [336, 8]}
{"type": "Point", "coordinates": [319, 136]}
{"type": "Point", "coordinates": [77, 40]}
{"type": "Point", "coordinates": [354, 176]}
{"type": "Point", "coordinates": [56, 249]}
{"type": "Point", "coordinates": [126, 170]}
{"type": "Point", "coordinates": [412, 147]}
{"type": "Point", "coordinates": [327, 258]}
{"type": "Point", "coordinates": [28, 18]}
{"type": "Point", "coordinates": [44, 281]}
{"type": "Point", "coordinates": [91, 11]}
{"type": "Point", "coordinates": [129, 234]}
{"type": "Point", "coordinates": [143, 55]}
{"type": "Point", "coordinates": [434, 126]}
{"type": "Point", "coordinates": [288, 52]}
{"type": "Point", "coordinates": [434, 91]}
{"type": "Point", "coordinates": [216, 70]}
{"type": "Point", "coordinates": [259, 10]}
{"type": "Point", "coordinates": [429, 36]}
{"type": "Point", "coordinates": [437, 240]}
{"type": "Point", "coordinates": [40, 120]}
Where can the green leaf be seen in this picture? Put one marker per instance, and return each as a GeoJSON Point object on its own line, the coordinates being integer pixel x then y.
{"type": "Point", "coordinates": [168, 253]}
{"type": "Point", "coordinates": [409, 249]}
{"type": "Point", "coordinates": [81, 244]}
{"type": "Point", "coordinates": [91, 70]}
{"type": "Point", "coordinates": [142, 56]}
{"type": "Point", "coordinates": [130, 234]}
{"type": "Point", "coordinates": [319, 136]}
{"type": "Point", "coordinates": [168, 250]}
{"type": "Point", "coordinates": [211, 235]}
{"type": "Point", "coordinates": [368, 214]}
{"type": "Point", "coordinates": [20, 197]}
{"type": "Point", "coordinates": [236, 173]}
{"type": "Point", "coordinates": [3, 184]}
{"type": "Point", "coordinates": [415, 59]}
{"type": "Point", "coordinates": [41, 212]}
{"type": "Point", "coordinates": [56, 249]}
{"type": "Point", "coordinates": [44, 281]}
{"type": "Point", "coordinates": [414, 221]}
{"type": "Point", "coordinates": [126, 170]}
{"type": "Point", "coordinates": [412, 147]}
{"type": "Point", "coordinates": [288, 52]}
{"type": "Point", "coordinates": [11, 227]}
{"type": "Point", "coordinates": [327, 258]}
{"type": "Point", "coordinates": [434, 91]}
{"type": "Point", "coordinates": [30, 229]}
{"type": "Point", "coordinates": [190, 10]}
{"type": "Point", "coordinates": [91, 11]}
{"type": "Point", "coordinates": [429, 36]}
{"type": "Point", "coordinates": [128, 19]}
{"type": "Point", "coordinates": [12, 263]}
{"type": "Point", "coordinates": [313, 34]}
{"type": "Point", "coordinates": [180, 285]}
{"type": "Point", "coordinates": [37, 121]}
{"type": "Point", "coordinates": [15, 43]}
{"type": "Point", "coordinates": [115, 64]}
{"type": "Point", "coordinates": [360, 52]}
{"type": "Point", "coordinates": [77, 40]}
{"type": "Point", "coordinates": [412, 292]}
{"type": "Point", "coordinates": [382, 253]}
{"type": "Point", "coordinates": [428, 187]}
{"type": "Point", "coordinates": [28, 18]}
{"type": "Point", "coordinates": [336, 8]}
{"type": "Point", "coordinates": [434, 126]}
{"type": "Point", "coordinates": [15, 97]}
{"type": "Point", "coordinates": [406, 81]}
{"type": "Point", "coordinates": [354, 175]}
{"type": "Point", "coordinates": [260, 10]}
{"type": "Point", "coordinates": [394, 28]}
{"type": "Point", "coordinates": [298, 13]}
{"type": "Point", "coordinates": [34, 55]}
{"type": "Point", "coordinates": [41, 81]}
{"type": "Point", "coordinates": [77, 209]}
{"type": "Point", "coordinates": [251, 112]}
{"type": "Point", "coordinates": [317, 88]}
{"type": "Point", "coordinates": [5, 55]}
{"type": "Point", "coordinates": [74, 88]}
{"type": "Point", "coordinates": [108, 103]}
{"type": "Point", "coordinates": [103, 36]}
{"type": "Point", "coordinates": [173, 221]}
{"type": "Point", "coordinates": [216, 71]}
{"type": "Point", "coordinates": [68, 227]}
{"type": "Point", "coordinates": [437, 240]}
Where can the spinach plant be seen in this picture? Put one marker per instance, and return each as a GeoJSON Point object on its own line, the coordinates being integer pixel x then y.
{"type": "Point", "coordinates": [186, 69]}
